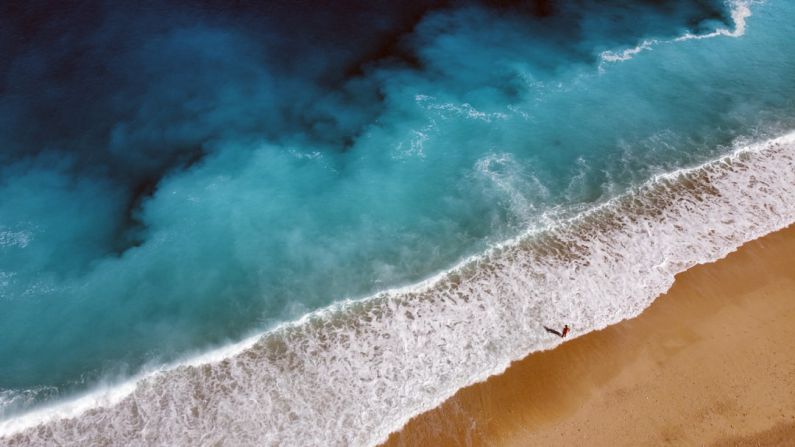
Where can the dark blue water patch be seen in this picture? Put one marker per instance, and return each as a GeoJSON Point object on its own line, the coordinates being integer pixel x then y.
{"type": "Point", "coordinates": [127, 86]}
{"type": "Point", "coordinates": [177, 175]}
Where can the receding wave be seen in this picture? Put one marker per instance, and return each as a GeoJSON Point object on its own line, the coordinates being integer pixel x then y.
{"type": "Point", "coordinates": [351, 374]}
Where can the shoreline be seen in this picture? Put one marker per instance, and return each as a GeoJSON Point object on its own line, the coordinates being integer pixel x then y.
{"type": "Point", "coordinates": [749, 186]}
{"type": "Point", "coordinates": [710, 362]}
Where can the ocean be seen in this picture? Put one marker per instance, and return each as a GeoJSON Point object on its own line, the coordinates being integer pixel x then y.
{"type": "Point", "coordinates": [287, 224]}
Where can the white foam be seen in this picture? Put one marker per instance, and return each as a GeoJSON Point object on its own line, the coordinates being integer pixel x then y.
{"type": "Point", "coordinates": [353, 373]}
{"type": "Point", "coordinates": [500, 171]}
{"type": "Point", "coordinates": [19, 239]}
{"type": "Point", "coordinates": [465, 110]}
{"type": "Point", "coordinates": [740, 11]}
{"type": "Point", "coordinates": [627, 54]}
{"type": "Point", "coordinates": [111, 393]}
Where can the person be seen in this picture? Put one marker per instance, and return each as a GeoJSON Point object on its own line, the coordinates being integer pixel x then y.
{"type": "Point", "coordinates": [559, 334]}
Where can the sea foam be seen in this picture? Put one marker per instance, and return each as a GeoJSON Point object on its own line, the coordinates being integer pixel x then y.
{"type": "Point", "coordinates": [353, 373]}
{"type": "Point", "coordinates": [740, 12]}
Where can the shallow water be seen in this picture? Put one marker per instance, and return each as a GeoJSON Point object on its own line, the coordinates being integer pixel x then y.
{"type": "Point", "coordinates": [225, 186]}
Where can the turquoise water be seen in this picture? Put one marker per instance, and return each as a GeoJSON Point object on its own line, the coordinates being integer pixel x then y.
{"type": "Point", "coordinates": [210, 174]}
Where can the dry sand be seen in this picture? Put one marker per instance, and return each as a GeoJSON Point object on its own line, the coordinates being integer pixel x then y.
{"type": "Point", "coordinates": [711, 362]}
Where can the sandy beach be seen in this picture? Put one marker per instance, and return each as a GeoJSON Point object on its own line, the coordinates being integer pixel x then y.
{"type": "Point", "coordinates": [711, 362]}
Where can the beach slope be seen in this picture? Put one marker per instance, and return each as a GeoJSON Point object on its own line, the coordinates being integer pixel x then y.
{"type": "Point", "coordinates": [711, 362]}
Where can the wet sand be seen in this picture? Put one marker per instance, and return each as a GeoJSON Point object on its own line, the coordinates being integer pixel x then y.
{"type": "Point", "coordinates": [711, 362]}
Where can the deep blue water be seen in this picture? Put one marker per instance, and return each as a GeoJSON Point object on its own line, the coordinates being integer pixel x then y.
{"type": "Point", "coordinates": [176, 175]}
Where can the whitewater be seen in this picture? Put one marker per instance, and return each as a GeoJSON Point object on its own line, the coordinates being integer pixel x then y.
{"type": "Point", "coordinates": [355, 371]}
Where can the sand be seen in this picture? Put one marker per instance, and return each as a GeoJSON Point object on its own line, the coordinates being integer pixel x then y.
{"type": "Point", "coordinates": [711, 362]}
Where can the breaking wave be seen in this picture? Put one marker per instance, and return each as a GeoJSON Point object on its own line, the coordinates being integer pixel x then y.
{"type": "Point", "coordinates": [354, 372]}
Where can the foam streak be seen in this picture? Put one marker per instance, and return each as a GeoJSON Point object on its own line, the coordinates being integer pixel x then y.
{"type": "Point", "coordinates": [741, 10]}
